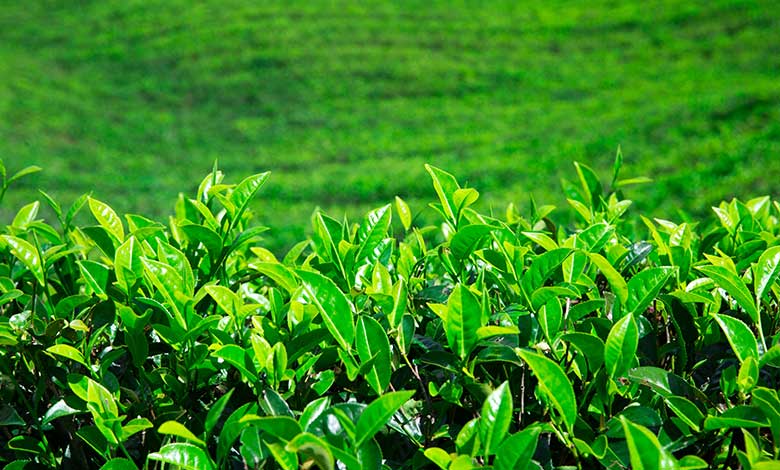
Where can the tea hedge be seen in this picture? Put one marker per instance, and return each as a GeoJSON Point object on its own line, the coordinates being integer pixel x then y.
{"type": "Point", "coordinates": [486, 341]}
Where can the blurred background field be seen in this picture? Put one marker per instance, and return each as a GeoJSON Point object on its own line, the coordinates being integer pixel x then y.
{"type": "Point", "coordinates": [345, 101]}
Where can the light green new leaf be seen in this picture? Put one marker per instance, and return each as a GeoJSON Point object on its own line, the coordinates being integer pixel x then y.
{"type": "Point", "coordinates": [614, 279]}
{"type": "Point", "coordinates": [766, 271]}
{"type": "Point", "coordinates": [95, 275]}
{"type": "Point", "coordinates": [621, 345]}
{"type": "Point", "coordinates": [238, 358]}
{"type": "Point", "coordinates": [226, 299]}
{"type": "Point", "coordinates": [245, 190]}
{"type": "Point", "coordinates": [107, 218]}
{"type": "Point", "coordinates": [333, 306]}
{"type": "Point", "coordinates": [687, 411]}
{"type": "Point", "coordinates": [177, 429]}
{"type": "Point", "coordinates": [127, 263]}
{"type": "Point", "coordinates": [645, 451]}
{"type": "Point", "coordinates": [404, 213]}
{"type": "Point", "coordinates": [554, 384]}
{"type": "Point", "coordinates": [463, 321]}
{"type": "Point", "coordinates": [378, 413]}
{"type": "Point", "coordinates": [644, 287]}
{"type": "Point", "coordinates": [445, 185]}
{"type": "Point", "coordinates": [735, 287]}
{"type": "Point", "coordinates": [495, 418]}
{"type": "Point", "coordinates": [469, 238]}
{"type": "Point", "coordinates": [542, 268]}
{"type": "Point", "coordinates": [68, 352]}
{"type": "Point", "coordinates": [183, 455]}
{"type": "Point", "coordinates": [371, 232]}
{"type": "Point", "coordinates": [119, 463]}
{"type": "Point", "coordinates": [550, 318]}
{"type": "Point", "coordinates": [517, 450]}
{"type": "Point", "coordinates": [739, 336]}
{"type": "Point", "coordinates": [313, 448]}
{"type": "Point", "coordinates": [100, 401]}
{"type": "Point", "coordinates": [279, 273]}
{"type": "Point", "coordinates": [372, 343]}
{"type": "Point", "coordinates": [438, 456]}
{"type": "Point", "coordinates": [27, 254]}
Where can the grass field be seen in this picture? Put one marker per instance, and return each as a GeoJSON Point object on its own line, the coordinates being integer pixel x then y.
{"type": "Point", "coordinates": [345, 101]}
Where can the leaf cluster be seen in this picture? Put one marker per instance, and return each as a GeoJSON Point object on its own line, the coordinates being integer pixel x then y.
{"type": "Point", "coordinates": [484, 341]}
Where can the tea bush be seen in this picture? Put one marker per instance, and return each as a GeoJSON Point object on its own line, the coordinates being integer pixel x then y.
{"type": "Point", "coordinates": [485, 341]}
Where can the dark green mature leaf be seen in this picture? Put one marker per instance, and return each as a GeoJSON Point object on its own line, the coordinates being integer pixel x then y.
{"type": "Point", "coordinates": [372, 343]}
{"type": "Point", "coordinates": [620, 348]}
{"type": "Point", "coordinates": [644, 287]}
{"type": "Point", "coordinates": [333, 306]}
{"type": "Point", "coordinates": [732, 284]}
{"type": "Point", "coordinates": [463, 321]}
{"type": "Point", "coordinates": [555, 385]}
{"type": "Point", "coordinates": [184, 455]}
{"type": "Point", "coordinates": [739, 336]}
{"type": "Point", "coordinates": [496, 418]}
{"type": "Point", "coordinates": [766, 271]}
{"type": "Point", "coordinates": [9, 417]}
{"type": "Point", "coordinates": [645, 451]}
{"type": "Point", "coordinates": [377, 413]}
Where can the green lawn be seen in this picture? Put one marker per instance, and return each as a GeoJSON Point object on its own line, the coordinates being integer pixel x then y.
{"type": "Point", "coordinates": [344, 103]}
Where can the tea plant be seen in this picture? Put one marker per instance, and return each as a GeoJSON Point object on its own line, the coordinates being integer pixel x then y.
{"type": "Point", "coordinates": [485, 341]}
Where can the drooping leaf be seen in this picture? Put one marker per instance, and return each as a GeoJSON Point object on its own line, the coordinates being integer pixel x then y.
{"type": "Point", "coordinates": [732, 284]}
{"type": "Point", "coordinates": [740, 416]}
{"type": "Point", "coordinates": [177, 429]}
{"type": "Point", "coordinates": [27, 254]}
{"type": "Point", "coordinates": [68, 352]}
